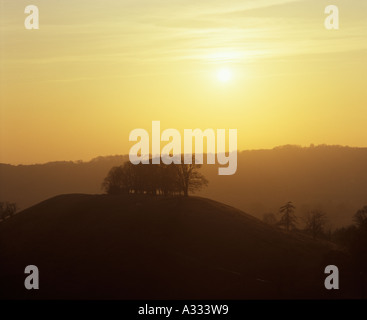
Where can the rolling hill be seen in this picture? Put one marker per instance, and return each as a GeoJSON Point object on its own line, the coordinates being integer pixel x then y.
{"type": "Point", "coordinates": [329, 178]}
{"type": "Point", "coordinates": [139, 247]}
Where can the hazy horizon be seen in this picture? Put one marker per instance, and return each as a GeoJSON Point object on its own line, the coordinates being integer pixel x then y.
{"type": "Point", "coordinates": [94, 71]}
{"type": "Point", "coordinates": [268, 96]}
{"type": "Point", "coordinates": [76, 160]}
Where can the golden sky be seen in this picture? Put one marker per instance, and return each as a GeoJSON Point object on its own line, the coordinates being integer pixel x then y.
{"type": "Point", "coordinates": [95, 70]}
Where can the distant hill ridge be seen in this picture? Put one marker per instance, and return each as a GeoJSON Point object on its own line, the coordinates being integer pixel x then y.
{"type": "Point", "coordinates": [330, 178]}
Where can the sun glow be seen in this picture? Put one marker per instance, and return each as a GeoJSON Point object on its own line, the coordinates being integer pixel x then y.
{"type": "Point", "coordinates": [224, 75]}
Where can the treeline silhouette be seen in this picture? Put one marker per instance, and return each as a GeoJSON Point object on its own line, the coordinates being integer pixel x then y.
{"type": "Point", "coordinates": [354, 238]}
{"type": "Point", "coordinates": [154, 179]}
{"type": "Point", "coordinates": [314, 221]}
{"type": "Point", "coordinates": [7, 209]}
{"type": "Point", "coordinates": [332, 179]}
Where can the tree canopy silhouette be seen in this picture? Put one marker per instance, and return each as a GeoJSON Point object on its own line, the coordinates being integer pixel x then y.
{"type": "Point", "coordinates": [155, 179]}
{"type": "Point", "coordinates": [288, 218]}
{"type": "Point", "coordinates": [360, 218]}
{"type": "Point", "coordinates": [354, 238]}
{"type": "Point", "coordinates": [189, 178]}
{"type": "Point", "coordinates": [315, 223]}
{"type": "Point", "coordinates": [269, 218]}
{"type": "Point", "coordinates": [7, 209]}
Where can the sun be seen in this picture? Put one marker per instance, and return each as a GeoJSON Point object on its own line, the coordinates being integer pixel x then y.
{"type": "Point", "coordinates": [224, 75]}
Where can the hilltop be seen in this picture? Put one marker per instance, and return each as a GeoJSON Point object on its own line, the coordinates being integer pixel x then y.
{"type": "Point", "coordinates": [329, 178]}
{"type": "Point", "coordinates": [139, 247]}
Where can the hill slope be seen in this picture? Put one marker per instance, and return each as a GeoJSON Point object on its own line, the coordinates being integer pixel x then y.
{"type": "Point", "coordinates": [130, 247]}
{"type": "Point", "coordinates": [330, 178]}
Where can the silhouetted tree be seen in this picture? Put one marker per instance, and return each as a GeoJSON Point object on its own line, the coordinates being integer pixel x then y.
{"type": "Point", "coordinates": [355, 239]}
{"type": "Point", "coordinates": [7, 209]}
{"type": "Point", "coordinates": [154, 179]}
{"type": "Point", "coordinates": [168, 180]}
{"type": "Point", "coordinates": [2, 210]}
{"type": "Point", "coordinates": [269, 218]}
{"type": "Point", "coordinates": [116, 181]}
{"type": "Point", "coordinates": [189, 178]}
{"type": "Point", "coordinates": [360, 218]}
{"type": "Point", "coordinates": [288, 219]}
{"type": "Point", "coordinates": [359, 243]}
{"type": "Point", "coordinates": [315, 223]}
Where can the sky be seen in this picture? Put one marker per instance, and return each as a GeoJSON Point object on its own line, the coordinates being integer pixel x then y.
{"type": "Point", "coordinates": [95, 70]}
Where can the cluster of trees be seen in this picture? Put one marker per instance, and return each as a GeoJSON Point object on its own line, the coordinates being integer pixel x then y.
{"type": "Point", "coordinates": [154, 179]}
{"type": "Point", "coordinates": [314, 221]}
{"type": "Point", "coordinates": [7, 209]}
{"type": "Point", "coordinates": [354, 238]}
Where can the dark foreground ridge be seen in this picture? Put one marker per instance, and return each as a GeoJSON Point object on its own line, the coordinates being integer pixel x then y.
{"type": "Point", "coordinates": [139, 247]}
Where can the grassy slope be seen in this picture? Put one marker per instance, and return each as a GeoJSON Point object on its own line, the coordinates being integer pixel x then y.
{"type": "Point", "coordinates": [129, 247]}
